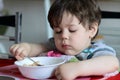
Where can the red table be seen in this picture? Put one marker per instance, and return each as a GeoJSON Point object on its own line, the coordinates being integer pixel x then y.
{"type": "Point", "coordinates": [6, 62]}
{"type": "Point", "coordinates": [7, 66]}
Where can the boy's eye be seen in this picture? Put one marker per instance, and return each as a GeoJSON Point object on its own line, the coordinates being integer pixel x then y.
{"type": "Point", "coordinates": [58, 32]}
{"type": "Point", "coordinates": [72, 30]}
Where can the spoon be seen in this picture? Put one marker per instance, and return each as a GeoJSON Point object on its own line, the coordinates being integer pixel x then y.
{"type": "Point", "coordinates": [34, 61]}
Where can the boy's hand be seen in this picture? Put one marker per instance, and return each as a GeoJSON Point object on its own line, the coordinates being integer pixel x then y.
{"type": "Point", "coordinates": [19, 51]}
{"type": "Point", "coordinates": [67, 71]}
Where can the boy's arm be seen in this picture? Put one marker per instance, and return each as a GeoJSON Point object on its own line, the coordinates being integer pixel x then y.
{"type": "Point", "coordinates": [38, 49]}
{"type": "Point", "coordinates": [19, 51]}
{"type": "Point", "coordinates": [99, 65]}
{"type": "Point", "coordinates": [41, 49]}
{"type": "Point", "coordinates": [95, 66]}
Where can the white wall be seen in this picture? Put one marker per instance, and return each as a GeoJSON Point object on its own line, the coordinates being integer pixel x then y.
{"type": "Point", "coordinates": [110, 27]}
{"type": "Point", "coordinates": [33, 22]}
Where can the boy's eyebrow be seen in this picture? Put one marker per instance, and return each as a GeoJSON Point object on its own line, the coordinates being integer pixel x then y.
{"type": "Point", "coordinates": [74, 24]}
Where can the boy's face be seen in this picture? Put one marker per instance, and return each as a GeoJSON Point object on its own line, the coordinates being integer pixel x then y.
{"type": "Point", "coordinates": [70, 36]}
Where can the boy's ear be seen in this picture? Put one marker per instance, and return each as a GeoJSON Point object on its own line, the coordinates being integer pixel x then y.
{"type": "Point", "coordinates": [93, 29]}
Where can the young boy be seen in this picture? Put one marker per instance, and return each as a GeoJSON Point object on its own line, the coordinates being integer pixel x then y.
{"type": "Point", "coordinates": [75, 24]}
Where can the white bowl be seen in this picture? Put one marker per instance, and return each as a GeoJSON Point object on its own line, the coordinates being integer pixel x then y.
{"type": "Point", "coordinates": [39, 72]}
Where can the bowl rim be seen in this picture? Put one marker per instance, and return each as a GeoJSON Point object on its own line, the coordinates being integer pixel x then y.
{"type": "Point", "coordinates": [64, 60]}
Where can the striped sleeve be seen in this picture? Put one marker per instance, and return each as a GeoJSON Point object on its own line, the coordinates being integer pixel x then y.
{"type": "Point", "coordinates": [103, 50]}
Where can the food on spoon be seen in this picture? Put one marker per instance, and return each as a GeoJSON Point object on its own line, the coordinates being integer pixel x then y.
{"type": "Point", "coordinates": [33, 64]}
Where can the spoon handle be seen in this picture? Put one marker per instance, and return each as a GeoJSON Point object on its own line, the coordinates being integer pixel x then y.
{"type": "Point", "coordinates": [34, 61]}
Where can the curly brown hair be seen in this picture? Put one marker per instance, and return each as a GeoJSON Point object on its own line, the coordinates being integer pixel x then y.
{"type": "Point", "coordinates": [87, 11]}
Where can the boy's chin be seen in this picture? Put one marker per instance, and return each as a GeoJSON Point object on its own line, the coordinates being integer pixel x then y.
{"type": "Point", "coordinates": [69, 52]}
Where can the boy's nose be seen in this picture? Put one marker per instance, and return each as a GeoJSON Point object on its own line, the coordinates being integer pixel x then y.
{"type": "Point", "coordinates": [65, 35]}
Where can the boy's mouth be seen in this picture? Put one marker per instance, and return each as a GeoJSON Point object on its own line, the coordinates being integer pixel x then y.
{"type": "Point", "coordinates": [65, 46]}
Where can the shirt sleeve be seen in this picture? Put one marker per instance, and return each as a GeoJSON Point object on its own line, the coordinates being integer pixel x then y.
{"type": "Point", "coordinates": [103, 49]}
